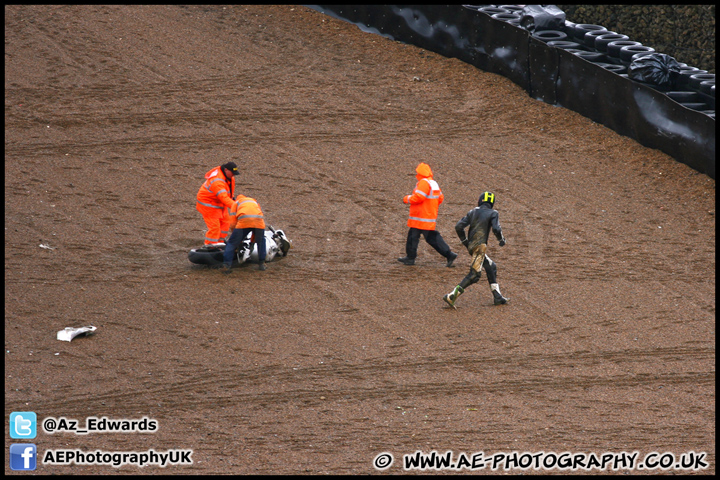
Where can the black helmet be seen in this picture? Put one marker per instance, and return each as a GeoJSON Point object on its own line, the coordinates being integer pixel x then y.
{"type": "Point", "coordinates": [487, 197]}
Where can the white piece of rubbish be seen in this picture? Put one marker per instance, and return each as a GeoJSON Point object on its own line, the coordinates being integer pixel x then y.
{"type": "Point", "coordinates": [69, 333]}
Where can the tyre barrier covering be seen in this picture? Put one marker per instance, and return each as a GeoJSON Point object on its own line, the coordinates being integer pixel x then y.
{"type": "Point", "coordinates": [582, 79]}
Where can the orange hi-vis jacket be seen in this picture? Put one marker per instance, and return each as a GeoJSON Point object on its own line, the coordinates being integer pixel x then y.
{"type": "Point", "coordinates": [215, 194]}
{"type": "Point", "coordinates": [246, 213]}
{"type": "Point", "coordinates": [425, 200]}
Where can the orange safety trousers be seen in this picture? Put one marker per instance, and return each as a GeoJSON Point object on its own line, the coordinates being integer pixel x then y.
{"type": "Point", "coordinates": [217, 221]}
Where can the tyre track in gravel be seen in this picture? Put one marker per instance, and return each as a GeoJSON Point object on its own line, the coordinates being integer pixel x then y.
{"type": "Point", "coordinates": [275, 384]}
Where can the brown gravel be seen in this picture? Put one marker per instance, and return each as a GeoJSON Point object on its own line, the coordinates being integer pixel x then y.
{"type": "Point", "coordinates": [336, 353]}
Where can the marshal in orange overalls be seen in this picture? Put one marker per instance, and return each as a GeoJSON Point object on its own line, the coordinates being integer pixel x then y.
{"type": "Point", "coordinates": [424, 203]}
{"type": "Point", "coordinates": [214, 200]}
{"type": "Point", "coordinates": [246, 216]}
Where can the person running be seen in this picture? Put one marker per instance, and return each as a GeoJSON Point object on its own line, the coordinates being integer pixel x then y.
{"type": "Point", "coordinates": [424, 203]}
{"type": "Point", "coordinates": [480, 220]}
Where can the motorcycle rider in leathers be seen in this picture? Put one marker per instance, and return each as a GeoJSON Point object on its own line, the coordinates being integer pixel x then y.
{"type": "Point", "coordinates": [480, 220]}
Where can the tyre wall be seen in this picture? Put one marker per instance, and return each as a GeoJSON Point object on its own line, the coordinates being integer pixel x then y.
{"type": "Point", "coordinates": [685, 32]}
{"type": "Point", "coordinates": [679, 121]}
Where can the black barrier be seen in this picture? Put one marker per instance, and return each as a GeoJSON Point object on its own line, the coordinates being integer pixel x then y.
{"type": "Point", "coordinates": [554, 75]}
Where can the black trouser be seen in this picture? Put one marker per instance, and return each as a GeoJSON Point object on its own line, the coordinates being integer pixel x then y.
{"type": "Point", "coordinates": [432, 237]}
{"type": "Point", "coordinates": [237, 237]}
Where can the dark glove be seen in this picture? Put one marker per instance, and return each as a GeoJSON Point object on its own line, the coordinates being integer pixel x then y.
{"type": "Point", "coordinates": [502, 242]}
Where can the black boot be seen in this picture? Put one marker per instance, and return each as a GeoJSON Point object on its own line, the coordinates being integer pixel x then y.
{"type": "Point", "coordinates": [498, 298]}
{"type": "Point", "coordinates": [407, 261]}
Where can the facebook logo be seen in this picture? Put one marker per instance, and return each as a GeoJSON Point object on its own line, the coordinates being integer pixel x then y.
{"type": "Point", "coordinates": [23, 456]}
{"type": "Point", "coordinates": [23, 425]}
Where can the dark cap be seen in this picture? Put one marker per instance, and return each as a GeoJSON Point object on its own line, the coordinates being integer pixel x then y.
{"type": "Point", "coordinates": [232, 167]}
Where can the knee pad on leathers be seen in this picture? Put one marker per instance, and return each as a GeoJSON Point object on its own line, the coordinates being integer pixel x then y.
{"type": "Point", "coordinates": [470, 278]}
{"type": "Point", "coordinates": [490, 268]}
